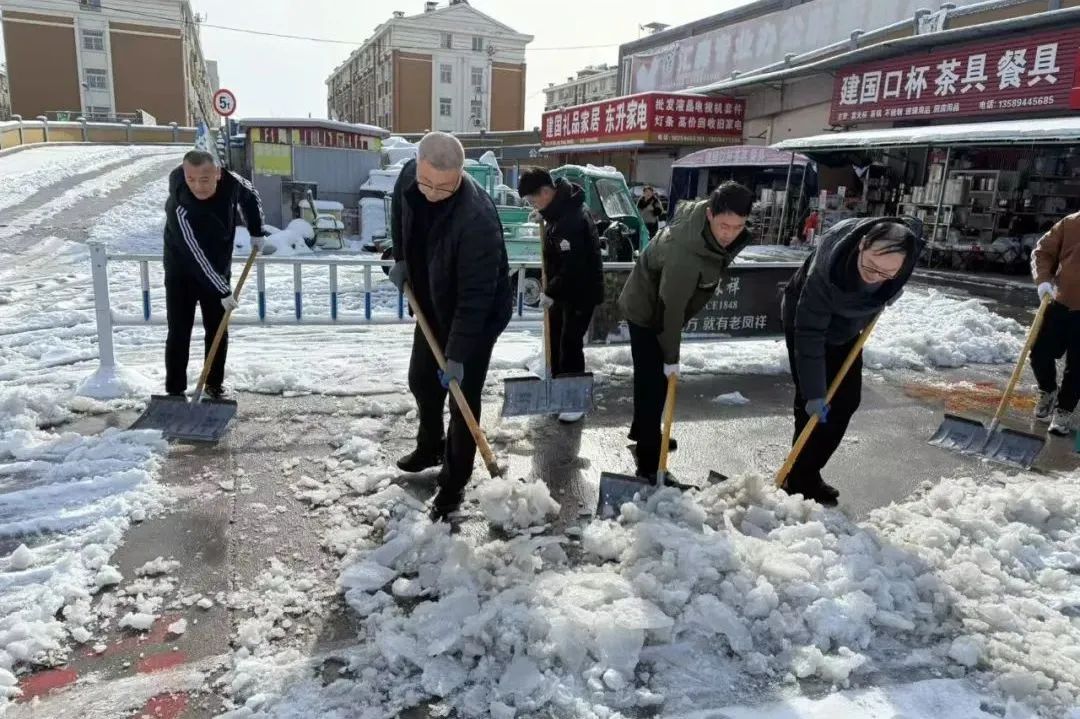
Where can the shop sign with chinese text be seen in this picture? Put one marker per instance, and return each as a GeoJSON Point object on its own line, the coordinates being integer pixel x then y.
{"type": "Point", "coordinates": [1024, 74]}
{"type": "Point", "coordinates": [653, 117]}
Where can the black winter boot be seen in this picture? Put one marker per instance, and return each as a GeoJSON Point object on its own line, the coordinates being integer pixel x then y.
{"type": "Point", "coordinates": [418, 460]}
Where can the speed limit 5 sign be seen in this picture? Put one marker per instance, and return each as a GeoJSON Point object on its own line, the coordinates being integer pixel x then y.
{"type": "Point", "coordinates": [224, 102]}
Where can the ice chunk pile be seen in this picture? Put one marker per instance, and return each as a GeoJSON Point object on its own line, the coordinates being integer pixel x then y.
{"type": "Point", "coordinates": [725, 595]}
{"type": "Point", "coordinates": [514, 504]}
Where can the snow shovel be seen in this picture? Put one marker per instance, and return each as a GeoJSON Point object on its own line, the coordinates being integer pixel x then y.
{"type": "Point", "coordinates": [547, 395]}
{"type": "Point", "coordinates": [617, 489]}
{"type": "Point", "coordinates": [200, 420]}
{"type": "Point", "coordinates": [804, 436]}
{"type": "Point", "coordinates": [455, 389]}
{"type": "Point", "coordinates": [1000, 444]}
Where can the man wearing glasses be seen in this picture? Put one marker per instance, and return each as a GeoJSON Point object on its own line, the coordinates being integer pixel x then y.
{"type": "Point", "coordinates": [448, 245]}
{"type": "Point", "coordinates": [858, 267]}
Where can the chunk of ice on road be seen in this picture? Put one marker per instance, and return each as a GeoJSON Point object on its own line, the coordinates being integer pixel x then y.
{"type": "Point", "coordinates": [731, 399]}
{"type": "Point", "coordinates": [157, 567]}
{"type": "Point", "coordinates": [107, 576]}
{"type": "Point", "coordinates": [138, 621]}
{"type": "Point", "coordinates": [442, 675]}
{"type": "Point", "coordinates": [178, 627]}
{"type": "Point", "coordinates": [712, 614]}
{"type": "Point", "coordinates": [966, 650]}
{"type": "Point", "coordinates": [366, 576]}
{"type": "Point", "coordinates": [21, 558]}
{"type": "Point", "coordinates": [515, 504]}
{"type": "Point", "coordinates": [521, 678]}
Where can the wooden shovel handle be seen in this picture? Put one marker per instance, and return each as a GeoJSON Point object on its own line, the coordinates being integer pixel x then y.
{"type": "Point", "coordinates": [222, 326]}
{"type": "Point", "coordinates": [1033, 334]}
{"type": "Point", "coordinates": [455, 389]}
{"type": "Point", "coordinates": [804, 436]}
{"type": "Point", "coordinates": [669, 419]}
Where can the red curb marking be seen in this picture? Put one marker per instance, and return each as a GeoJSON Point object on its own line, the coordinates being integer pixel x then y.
{"type": "Point", "coordinates": [159, 662]}
{"type": "Point", "coordinates": [157, 635]}
{"type": "Point", "coordinates": [164, 706]}
{"type": "Point", "coordinates": [41, 683]}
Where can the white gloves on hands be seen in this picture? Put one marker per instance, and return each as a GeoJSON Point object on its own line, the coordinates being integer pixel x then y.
{"type": "Point", "coordinates": [1046, 289]}
{"type": "Point", "coordinates": [546, 302]}
{"type": "Point", "coordinates": [229, 303]}
{"type": "Point", "coordinates": [258, 242]}
{"type": "Point", "coordinates": [671, 369]}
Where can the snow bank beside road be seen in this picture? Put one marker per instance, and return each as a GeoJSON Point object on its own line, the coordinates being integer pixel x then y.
{"type": "Point", "coordinates": [923, 330]}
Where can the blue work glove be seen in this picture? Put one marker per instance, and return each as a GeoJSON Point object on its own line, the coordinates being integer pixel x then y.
{"type": "Point", "coordinates": [397, 276]}
{"type": "Point", "coordinates": [454, 371]}
{"type": "Point", "coordinates": [818, 407]}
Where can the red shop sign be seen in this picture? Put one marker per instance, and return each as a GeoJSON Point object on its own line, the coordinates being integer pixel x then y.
{"type": "Point", "coordinates": [1023, 74]}
{"type": "Point", "coordinates": [660, 117]}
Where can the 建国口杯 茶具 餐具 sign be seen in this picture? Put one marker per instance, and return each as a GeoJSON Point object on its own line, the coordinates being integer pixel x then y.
{"type": "Point", "coordinates": [1018, 75]}
{"type": "Point", "coordinates": [651, 117]}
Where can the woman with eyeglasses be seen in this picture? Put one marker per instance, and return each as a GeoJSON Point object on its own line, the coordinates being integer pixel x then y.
{"type": "Point", "coordinates": [858, 267]}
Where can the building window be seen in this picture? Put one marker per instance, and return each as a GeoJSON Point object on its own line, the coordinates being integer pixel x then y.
{"type": "Point", "coordinates": [447, 41]}
{"type": "Point", "coordinates": [445, 75]}
{"type": "Point", "coordinates": [97, 79]}
{"type": "Point", "coordinates": [476, 110]}
{"type": "Point", "coordinates": [97, 113]}
{"type": "Point", "coordinates": [478, 44]}
{"type": "Point", "coordinates": [478, 78]}
{"type": "Point", "coordinates": [445, 107]}
{"type": "Point", "coordinates": [93, 40]}
{"type": "Point", "coordinates": [89, 4]}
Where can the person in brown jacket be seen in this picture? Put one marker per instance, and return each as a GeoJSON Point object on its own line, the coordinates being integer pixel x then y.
{"type": "Point", "coordinates": [1055, 265]}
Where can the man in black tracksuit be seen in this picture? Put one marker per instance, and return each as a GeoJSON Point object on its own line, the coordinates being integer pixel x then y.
{"type": "Point", "coordinates": [573, 265]}
{"type": "Point", "coordinates": [448, 244]}
{"type": "Point", "coordinates": [858, 267]}
{"type": "Point", "coordinates": [200, 228]}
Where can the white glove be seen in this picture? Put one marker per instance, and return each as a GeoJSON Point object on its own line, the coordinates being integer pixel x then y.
{"type": "Point", "coordinates": [1046, 289]}
{"type": "Point", "coordinates": [546, 302]}
{"type": "Point", "coordinates": [229, 303]}
{"type": "Point", "coordinates": [258, 242]}
{"type": "Point", "coordinates": [671, 370]}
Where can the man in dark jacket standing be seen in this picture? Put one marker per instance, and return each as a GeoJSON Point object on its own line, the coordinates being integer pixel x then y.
{"type": "Point", "coordinates": [858, 267]}
{"type": "Point", "coordinates": [674, 278]}
{"type": "Point", "coordinates": [200, 228]}
{"type": "Point", "coordinates": [573, 265]}
{"type": "Point", "coordinates": [448, 245]}
{"type": "Point", "coordinates": [651, 209]}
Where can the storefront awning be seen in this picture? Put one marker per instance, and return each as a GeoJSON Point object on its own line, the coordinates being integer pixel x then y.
{"type": "Point", "coordinates": [740, 156]}
{"type": "Point", "coordinates": [1012, 132]}
{"type": "Point", "coordinates": [594, 147]}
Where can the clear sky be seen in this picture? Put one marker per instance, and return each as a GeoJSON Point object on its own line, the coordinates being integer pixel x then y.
{"type": "Point", "coordinates": [285, 77]}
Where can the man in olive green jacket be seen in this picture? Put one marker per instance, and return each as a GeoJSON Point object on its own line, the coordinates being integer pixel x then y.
{"type": "Point", "coordinates": [675, 277]}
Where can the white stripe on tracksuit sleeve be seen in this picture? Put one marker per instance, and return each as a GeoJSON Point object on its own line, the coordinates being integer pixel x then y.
{"type": "Point", "coordinates": [216, 280]}
{"type": "Point", "coordinates": [251, 188]}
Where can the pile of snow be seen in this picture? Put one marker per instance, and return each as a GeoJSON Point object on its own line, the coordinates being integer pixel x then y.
{"type": "Point", "coordinates": [397, 150]}
{"type": "Point", "coordinates": [923, 330]}
{"type": "Point", "coordinates": [67, 501]}
{"type": "Point", "coordinates": [719, 597]}
{"type": "Point", "coordinates": [514, 504]}
{"type": "Point", "coordinates": [731, 399]}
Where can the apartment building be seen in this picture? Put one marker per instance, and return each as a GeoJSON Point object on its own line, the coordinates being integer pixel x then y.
{"type": "Point", "coordinates": [591, 84]}
{"type": "Point", "coordinates": [5, 100]}
{"type": "Point", "coordinates": [450, 68]}
{"type": "Point", "coordinates": [106, 60]}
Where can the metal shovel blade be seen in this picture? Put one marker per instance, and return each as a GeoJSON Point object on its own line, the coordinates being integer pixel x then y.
{"type": "Point", "coordinates": [1009, 446]}
{"type": "Point", "coordinates": [618, 489]}
{"type": "Point", "coordinates": [959, 434]}
{"type": "Point", "coordinates": [178, 419]}
{"type": "Point", "coordinates": [523, 396]}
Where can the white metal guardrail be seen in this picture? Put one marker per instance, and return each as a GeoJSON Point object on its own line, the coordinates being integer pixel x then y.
{"type": "Point", "coordinates": [108, 320]}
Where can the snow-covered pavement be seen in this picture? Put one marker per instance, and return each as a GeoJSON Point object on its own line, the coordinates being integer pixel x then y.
{"type": "Point", "coordinates": [966, 592]}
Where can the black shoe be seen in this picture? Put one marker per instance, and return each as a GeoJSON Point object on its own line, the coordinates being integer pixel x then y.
{"type": "Point", "coordinates": [669, 480]}
{"type": "Point", "coordinates": [815, 490]}
{"type": "Point", "coordinates": [445, 504]}
{"type": "Point", "coordinates": [419, 460]}
{"type": "Point", "coordinates": [215, 393]}
{"type": "Point", "coordinates": [672, 443]}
